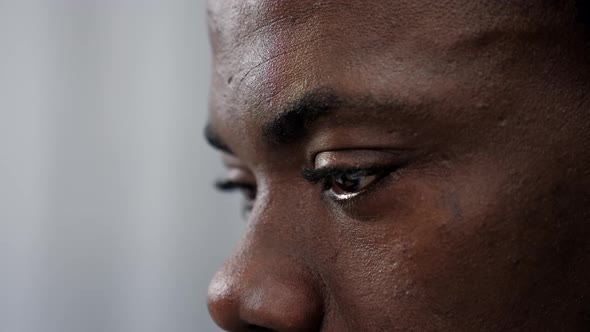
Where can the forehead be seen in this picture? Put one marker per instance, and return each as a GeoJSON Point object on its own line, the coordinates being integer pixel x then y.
{"type": "Point", "coordinates": [269, 52]}
{"type": "Point", "coordinates": [265, 46]}
{"type": "Point", "coordinates": [236, 22]}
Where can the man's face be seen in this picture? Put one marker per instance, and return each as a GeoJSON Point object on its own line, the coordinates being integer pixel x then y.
{"type": "Point", "coordinates": [408, 165]}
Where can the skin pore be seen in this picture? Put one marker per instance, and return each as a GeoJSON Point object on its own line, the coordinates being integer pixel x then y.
{"type": "Point", "coordinates": [407, 165]}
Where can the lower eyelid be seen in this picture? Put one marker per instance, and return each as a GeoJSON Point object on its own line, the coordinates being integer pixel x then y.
{"type": "Point", "coordinates": [247, 208]}
{"type": "Point", "coordinates": [376, 186]}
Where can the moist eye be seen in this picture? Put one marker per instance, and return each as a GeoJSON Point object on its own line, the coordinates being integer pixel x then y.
{"type": "Point", "coordinates": [346, 183]}
{"type": "Point", "coordinates": [353, 182]}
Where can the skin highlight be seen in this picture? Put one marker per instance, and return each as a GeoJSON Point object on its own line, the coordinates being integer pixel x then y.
{"type": "Point", "coordinates": [407, 165]}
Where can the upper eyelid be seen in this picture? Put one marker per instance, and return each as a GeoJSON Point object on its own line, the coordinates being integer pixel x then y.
{"type": "Point", "coordinates": [240, 168]}
{"type": "Point", "coordinates": [317, 175]}
{"type": "Point", "coordinates": [383, 152]}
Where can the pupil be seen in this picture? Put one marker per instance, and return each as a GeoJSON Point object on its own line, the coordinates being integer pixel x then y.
{"type": "Point", "coordinates": [349, 183]}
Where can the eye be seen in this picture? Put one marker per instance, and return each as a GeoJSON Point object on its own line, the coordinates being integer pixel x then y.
{"type": "Point", "coordinates": [351, 183]}
{"type": "Point", "coordinates": [248, 191]}
{"type": "Point", "coordinates": [345, 184]}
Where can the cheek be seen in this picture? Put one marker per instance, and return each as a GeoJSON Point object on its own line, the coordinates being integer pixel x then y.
{"type": "Point", "coordinates": [450, 250]}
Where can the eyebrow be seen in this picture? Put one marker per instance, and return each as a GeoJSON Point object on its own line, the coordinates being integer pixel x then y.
{"type": "Point", "coordinates": [215, 140]}
{"type": "Point", "coordinates": [292, 123]}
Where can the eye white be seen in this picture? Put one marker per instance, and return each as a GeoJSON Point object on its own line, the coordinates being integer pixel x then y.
{"type": "Point", "coordinates": [343, 197]}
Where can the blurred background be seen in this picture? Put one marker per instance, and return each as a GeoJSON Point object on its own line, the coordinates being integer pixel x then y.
{"type": "Point", "coordinates": [108, 217]}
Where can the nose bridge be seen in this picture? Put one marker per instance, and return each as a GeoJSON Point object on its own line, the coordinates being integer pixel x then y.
{"type": "Point", "coordinates": [267, 283]}
{"type": "Point", "coordinates": [281, 223]}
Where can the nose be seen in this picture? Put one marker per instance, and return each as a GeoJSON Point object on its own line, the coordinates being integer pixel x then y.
{"type": "Point", "coordinates": [265, 293]}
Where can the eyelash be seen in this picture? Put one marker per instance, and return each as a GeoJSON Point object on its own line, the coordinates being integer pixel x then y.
{"type": "Point", "coordinates": [248, 190]}
{"type": "Point", "coordinates": [227, 185]}
{"type": "Point", "coordinates": [327, 176]}
{"type": "Point", "coordinates": [324, 176]}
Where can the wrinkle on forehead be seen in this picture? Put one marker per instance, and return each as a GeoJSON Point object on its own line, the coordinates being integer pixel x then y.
{"type": "Point", "coordinates": [267, 51]}
{"type": "Point", "coordinates": [235, 22]}
{"type": "Point", "coordinates": [249, 36]}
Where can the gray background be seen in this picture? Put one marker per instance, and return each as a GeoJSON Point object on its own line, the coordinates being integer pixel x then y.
{"type": "Point", "coordinates": [108, 219]}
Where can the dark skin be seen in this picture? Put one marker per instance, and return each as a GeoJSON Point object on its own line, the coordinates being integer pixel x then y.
{"type": "Point", "coordinates": [408, 165]}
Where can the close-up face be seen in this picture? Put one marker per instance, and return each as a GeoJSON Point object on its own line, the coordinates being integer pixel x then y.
{"type": "Point", "coordinates": [405, 165]}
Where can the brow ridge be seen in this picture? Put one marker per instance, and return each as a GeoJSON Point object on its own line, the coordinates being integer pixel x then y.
{"type": "Point", "coordinates": [292, 123]}
{"type": "Point", "coordinates": [215, 140]}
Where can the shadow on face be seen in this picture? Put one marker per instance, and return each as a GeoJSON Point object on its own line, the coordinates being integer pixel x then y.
{"type": "Point", "coordinates": [406, 166]}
